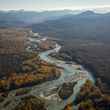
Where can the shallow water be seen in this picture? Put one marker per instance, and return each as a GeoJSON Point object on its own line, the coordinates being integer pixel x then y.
{"type": "Point", "coordinates": [69, 71]}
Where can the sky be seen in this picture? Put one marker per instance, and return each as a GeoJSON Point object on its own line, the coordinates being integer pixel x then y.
{"type": "Point", "coordinates": [39, 5]}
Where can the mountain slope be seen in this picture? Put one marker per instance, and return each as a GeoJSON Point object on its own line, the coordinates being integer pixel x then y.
{"type": "Point", "coordinates": [21, 17]}
{"type": "Point", "coordinates": [85, 25]}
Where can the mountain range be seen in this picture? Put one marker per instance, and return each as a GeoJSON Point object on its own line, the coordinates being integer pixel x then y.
{"type": "Point", "coordinates": [23, 18]}
{"type": "Point", "coordinates": [61, 24]}
{"type": "Point", "coordinates": [84, 25]}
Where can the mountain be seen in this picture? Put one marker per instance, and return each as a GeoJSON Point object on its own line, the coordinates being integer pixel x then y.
{"type": "Point", "coordinates": [25, 18]}
{"type": "Point", "coordinates": [84, 25]}
{"type": "Point", "coordinates": [22, 18]}
{"type": "Point", "coordinates": [88, 13]}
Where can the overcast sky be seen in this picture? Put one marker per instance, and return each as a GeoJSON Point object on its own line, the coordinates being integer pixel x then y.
{"type": "Point", "coordinates": [40, 5]}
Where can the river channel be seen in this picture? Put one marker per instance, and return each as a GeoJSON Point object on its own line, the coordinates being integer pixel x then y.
{"type": "Point", "coordinates": [69, 73]}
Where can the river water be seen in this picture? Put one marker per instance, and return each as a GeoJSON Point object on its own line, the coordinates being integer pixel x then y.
{"type": "Point", "coordinates": [68, 73]}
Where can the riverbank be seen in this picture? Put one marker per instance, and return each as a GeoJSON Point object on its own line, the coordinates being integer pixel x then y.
{"type": "Point", "coordinates": [33, 71]}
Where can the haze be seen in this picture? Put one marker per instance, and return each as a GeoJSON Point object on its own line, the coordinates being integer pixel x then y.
{"type": "Point", "coordinates": [39, 5]}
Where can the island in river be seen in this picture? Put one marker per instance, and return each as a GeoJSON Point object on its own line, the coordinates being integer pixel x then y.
{"type": "Point", "coordinates": [90, 97]}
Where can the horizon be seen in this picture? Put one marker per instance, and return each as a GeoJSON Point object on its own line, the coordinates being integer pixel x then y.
{"type": "Point", "coordinates": [50, 5]}
{"type": "Point", "coordinates": [94, 9]}
{"type": "Point", "coordinates": [57, 9]}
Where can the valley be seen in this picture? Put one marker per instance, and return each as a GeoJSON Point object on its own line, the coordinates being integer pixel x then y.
{"type": "Point", "coordinates": [41, 90]}
{"type": "Point", "coordinates": [54, 60]}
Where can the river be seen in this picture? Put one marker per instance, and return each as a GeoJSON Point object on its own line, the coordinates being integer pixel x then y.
{"type": "Point", "coordinates": [45, 90]}
{"type": "Point", "coordinates": [68, 72]}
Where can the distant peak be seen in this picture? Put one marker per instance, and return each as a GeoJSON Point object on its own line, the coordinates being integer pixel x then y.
{"type": "Point", "coordinates": [88, 13]}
